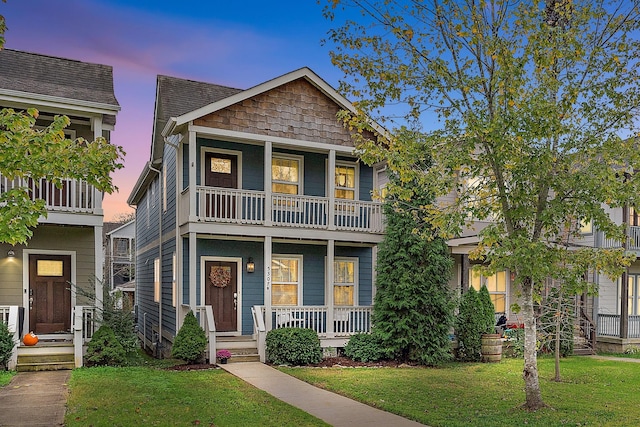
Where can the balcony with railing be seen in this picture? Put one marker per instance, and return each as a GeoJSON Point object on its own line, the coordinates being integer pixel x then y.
{"type": "Point", "coordinates": [72, 196]}
{"type": "Point", "coordinates": [632, 242]}
{"type": "Point", "coordinates": [223, 205]}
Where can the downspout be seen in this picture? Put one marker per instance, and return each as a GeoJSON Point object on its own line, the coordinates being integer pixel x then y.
{"type": "Point", "coordinates": [159, 344]}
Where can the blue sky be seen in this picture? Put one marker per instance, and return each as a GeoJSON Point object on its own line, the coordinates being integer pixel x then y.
{"type": "Point", "coordinates": [234, 43]}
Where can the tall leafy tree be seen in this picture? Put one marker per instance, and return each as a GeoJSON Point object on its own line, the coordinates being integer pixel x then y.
{"type": "Point", "coordinates": [28, 153]}
{"type": "Point", "coordinates": [536, 106]}
{"type": "Point", "coordinates": [413, 307]}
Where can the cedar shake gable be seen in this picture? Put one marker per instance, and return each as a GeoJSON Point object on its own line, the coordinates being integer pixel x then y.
{"type": "Point", "coordinates": [295, 110]}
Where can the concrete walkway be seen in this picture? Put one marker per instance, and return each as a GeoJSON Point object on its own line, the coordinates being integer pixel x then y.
{"type": "Point", "coordinates": [330, 407]}
{"type": "Point", "coordinates": [615, 359]}
{"type": "Point", "coordinates": [35, 399]}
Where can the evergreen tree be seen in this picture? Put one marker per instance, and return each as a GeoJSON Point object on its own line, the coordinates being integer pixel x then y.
{"type": "Point", "coordinates": [469, 326]}
{"type": "Point", "coordinates": [413, 308]}
{"type": "Point", "coordinates": [488, 311]}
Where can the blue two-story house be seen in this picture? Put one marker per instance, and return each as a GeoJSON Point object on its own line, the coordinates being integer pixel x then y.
{"type": "Point", "coordinates": [254, 213]}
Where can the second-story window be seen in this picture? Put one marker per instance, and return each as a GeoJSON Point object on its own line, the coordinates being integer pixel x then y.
{"type": "Point", "coordinates": [345, 181]}
{"type": "Point", "coordinates": [286, 175]}
{"type": "Point", "coordinates": [634, 217]}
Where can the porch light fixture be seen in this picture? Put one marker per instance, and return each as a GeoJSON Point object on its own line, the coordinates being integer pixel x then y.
{"type": "Point", "coordinates": [251, 266]}
{"type": "Point", "coordinates": [11, 254]}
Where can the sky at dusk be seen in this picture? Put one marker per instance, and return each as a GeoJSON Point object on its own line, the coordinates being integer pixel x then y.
{"type": "Point", "coordinates": [232, 43]}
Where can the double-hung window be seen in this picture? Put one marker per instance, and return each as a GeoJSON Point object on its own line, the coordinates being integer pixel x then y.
{"type": "Point", "coordinates": [633, 294]}
{"type": "Point", "coordinates": [345, 278]}
{"type": "Point", "coordinates": [286, 280]}
{"type": "Point", "coordinates": [496, 285]}
{"type": "Point", "coordinates": [156, 280]}
{"type": "Point", "coordinates": [345, 181]}
{"type": "Point", "coordinates": [286, 175]}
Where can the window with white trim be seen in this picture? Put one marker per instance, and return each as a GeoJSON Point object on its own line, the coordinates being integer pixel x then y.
{"type": "Point", "coordinates": [286, 175]}
{"type": "Point", "coordinates": [345, 279]}
{"type": "Point", "coordinates": [346, 178]}
{"type": "Point", "coordinates": [496, 285]}
{"type": "Point", "coordinates": [156, 280]}
{"type": "Point", "coordinates": [633, 294]}
{"type": "Point", "coordinates": [174, 290]}
{"type": "Point", "coordinates": [286, 280]}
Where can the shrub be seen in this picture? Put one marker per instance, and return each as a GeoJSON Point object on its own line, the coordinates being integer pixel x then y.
{"type": "Point", "coordinates": [488, 311]}
{"type": "Point", "coordinates": [515, 343]}
{"type": "Point", "coordinates": [191, 341]}
{"type": "Point", "coordinates": [364, 348]}
{"type": "Point", "coordinates": [104, 349]}
{"type": "Point", "coordinates": [293, 346]}
{"type": "Point", "coordinates": [6, 345]}
{"type": "Point", "coordinates": [469, 326]}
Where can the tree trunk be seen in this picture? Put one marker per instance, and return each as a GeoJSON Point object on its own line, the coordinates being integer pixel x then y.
{"type": "Point", "coordinates": [530, 372]}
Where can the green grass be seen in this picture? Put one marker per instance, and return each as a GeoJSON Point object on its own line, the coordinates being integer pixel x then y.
{"type": "Point", "coordinates": [5, 377]}
{"type": "Point", "coordinates": [592, 393]}
{"type": "Point", "coordinates": [154, 397]}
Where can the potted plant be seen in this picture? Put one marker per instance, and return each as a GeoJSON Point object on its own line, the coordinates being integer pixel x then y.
{"type": "Point", "coordinates": [223, 356]}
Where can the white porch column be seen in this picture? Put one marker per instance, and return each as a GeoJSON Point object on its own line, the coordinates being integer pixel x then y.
{"type": "Point", "coordinates": [329, 282]}
{"type": "Point", "coordinates": [99, 266]}
{"type": "Point", "coordinates": [268, 207]}
{"type": "Point", "coordinates": [192, 272]}
{"type": "Point", "coordinates": [331, 223]}
{"type": "Point", "coordinates": [96, 123]}
{"type": "Point", "coordinates": [267, 281]}
{"type": "Point", "coordinates": [193, 214]}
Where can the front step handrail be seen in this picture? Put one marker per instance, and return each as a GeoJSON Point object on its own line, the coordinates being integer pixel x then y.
{"type": "Point", "coordinates": [260, 331]}
{"type": "Point", "coordinates": [10, 316]}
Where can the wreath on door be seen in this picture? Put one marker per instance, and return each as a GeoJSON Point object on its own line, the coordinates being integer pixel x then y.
{"type": "Point", "coordinates": [220, 276]}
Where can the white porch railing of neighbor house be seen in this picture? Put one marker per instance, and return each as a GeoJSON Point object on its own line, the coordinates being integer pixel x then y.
{"type": "Point", "coordinates": [9, 316]}
{"type": "Point", "coordinates": [84, 324]}
{"type": "Point", "coordinates": [609, 325]}
{"type": "Point", "coordinates": [632, 244]}
{"type": "Point", "coordinates": [204, 313]}
{"type": "Point", "coordinates": [346, 320]}
{"type": "Point", "coordinates": [250, 207]}
{"type": "Point", "coordinates": [71, 196]}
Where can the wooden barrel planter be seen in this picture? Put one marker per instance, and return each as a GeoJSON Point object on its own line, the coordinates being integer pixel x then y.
{"type": "Point", "coordinates": [491, 348]}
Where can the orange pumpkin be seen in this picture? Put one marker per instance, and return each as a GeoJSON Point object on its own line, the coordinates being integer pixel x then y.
{"type": "Point", "coordinates": [30, 339]}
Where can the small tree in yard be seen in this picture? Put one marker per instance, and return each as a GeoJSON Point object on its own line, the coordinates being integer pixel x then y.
{"type": "Point", "coordinates": [413, 306]}
{"type": "Point", "coordinates": [534, 108]}
{"type": "Point", "coordinates": [488, 311]}
{"type": "Point", "coordinates": [104, 349]}
{"type": "Point", "coordinates": [469, 326]}
{"type": "Point", "coordinates": [191, 341]}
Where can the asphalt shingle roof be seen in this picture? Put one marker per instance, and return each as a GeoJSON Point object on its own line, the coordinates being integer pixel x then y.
{"type": "Point", "coordinates": [58, 77]}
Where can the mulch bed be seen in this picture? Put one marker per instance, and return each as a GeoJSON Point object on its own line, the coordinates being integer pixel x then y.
{"type": "Point", "coordinates": [328, 362]}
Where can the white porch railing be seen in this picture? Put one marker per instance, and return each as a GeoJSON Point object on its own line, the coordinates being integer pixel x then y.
{"type": "Point", "coordinates": [346, 320]}
{"type": "Point", "coordinates": [83, 324]}
{"type": "Point", "coordinates": [72, 196]}
{"type": "Point", "coordinates": [9, 316]}
{"type": "Point", "coordinates": [609, 325]}
{"type": "Point", "coordinates": [259, 331]}
{"type": "Point", "coordinates": [250, 207]}
{"type": "Point", "coordinates": [204, 314]}
{"type": "Point", "coordinates": [632, 244]}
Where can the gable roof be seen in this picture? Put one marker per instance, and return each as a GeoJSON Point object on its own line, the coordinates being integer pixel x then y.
{"type": "Point", "coordinates": [47, 78]}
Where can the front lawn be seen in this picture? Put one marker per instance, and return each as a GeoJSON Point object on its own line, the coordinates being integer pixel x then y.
{"type": "Point", "coordinates": [593, 392]}
{"type": "Point", "coordinates": [5, 377]}
{"type": "Point", "coordinates": [143, 396]}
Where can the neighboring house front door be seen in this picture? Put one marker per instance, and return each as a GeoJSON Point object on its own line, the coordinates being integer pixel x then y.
{"type": "Point", "coordinates": [221, 293]}
{"type": "Point", "coordinates": [49, 293]}
{"type": "Point", "coordinates": [221, 171]}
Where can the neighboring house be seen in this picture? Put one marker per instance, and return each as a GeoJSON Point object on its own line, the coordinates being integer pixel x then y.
{"type": "Point", "coordinates": [66, 247]}
{"type": "Point", "coordinates": [119, 254]}
{"type": "Point", "coordinates": [254, 213]}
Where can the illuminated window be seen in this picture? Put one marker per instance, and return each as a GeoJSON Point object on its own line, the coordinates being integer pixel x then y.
{"type": "Point", "coordinates": [344, 281]}
{"type": "Point", "coordinates": [633, 294]}
{"type": "Point", "coordinates": [174, 290]}
{"type": "Point", "coordinates": [286, 288]}
{"type": "Point", "coordinates": [285, 175]}
{"type": "Point", "coordinates": [48, 267]}
{"type": "Point", "coordinates": [345, 181]}
{"type": "Point", "coordinates": [156, 280]}
{"type": "Point", "coordinates": [496, 285]}
{"type": "Point", "coordinates": [586, 227]}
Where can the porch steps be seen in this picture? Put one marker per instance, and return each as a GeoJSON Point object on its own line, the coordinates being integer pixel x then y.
{"type": "Point", "coordinates": [46, 355]}
{"type": "Point", "coordinates": [581, 346]}
{"type": "Point", "coordinates": [243, 348]}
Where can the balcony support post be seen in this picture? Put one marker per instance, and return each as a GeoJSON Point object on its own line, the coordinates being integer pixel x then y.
{"type": "Point", "coordinates": [268, 203]}
{"type": "Point", "coordinates": [267, 282]}
{"type": "Point", "coordinates": [329, 283]}
{"type": "Point", "coordinates": [331, 220]}
{"type": "Point", "coordinates": [624, 304]}
{"type": "Point", "coordinates": [193, 214]}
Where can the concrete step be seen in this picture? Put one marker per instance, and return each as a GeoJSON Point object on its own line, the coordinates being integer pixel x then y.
{"type": "Point", "coordinates": [583, 351]}
{"type": "Point", "coordinates": [46, 355]}
{"type": "Point", "coordinates": [242, 348]}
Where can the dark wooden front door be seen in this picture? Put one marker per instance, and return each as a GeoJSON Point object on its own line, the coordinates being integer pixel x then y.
{"type": "Point", "coordinates": [221, 293]}
{"type": "Point", "coordinates": [49, 293]}
{"type": "Point", "coordinates": [221, 170]}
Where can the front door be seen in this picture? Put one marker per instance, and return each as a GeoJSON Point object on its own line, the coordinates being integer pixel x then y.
{"type": "Point", "coordinates": [221, 293]}
{"type": "Point", "coordinates": [221, 171]}
{"type": "Point", "coordinates": [49, 293]}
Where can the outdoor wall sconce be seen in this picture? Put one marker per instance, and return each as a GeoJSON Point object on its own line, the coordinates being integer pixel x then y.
{"type": "Point", "coordinates": [251, 266]}
{"type": "Point", "coordinates": [11, 254]}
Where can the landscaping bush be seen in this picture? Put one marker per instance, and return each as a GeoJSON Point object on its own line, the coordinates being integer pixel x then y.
{"type": "Point", "coordinates": [515, 343]}
{"type": "Point", "coordinates": [104, 349]}
{"type": "Point", "coordinates": [191, 341]}
{"type": "Point", "coordinates": [293, 346]}
{"type": "Point", "coordinates": [469, 327]}
{"type": "Point", "coordinates": [488, 311]}
{"type": "Point", "coordinates": [364, 348]}
{"type": "Point", "coordinates": [6, 346]}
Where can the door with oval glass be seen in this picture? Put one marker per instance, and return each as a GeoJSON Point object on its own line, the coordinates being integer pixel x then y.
{"type": "Point", "coordinates": [221, 293]}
